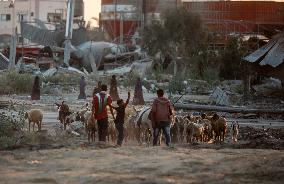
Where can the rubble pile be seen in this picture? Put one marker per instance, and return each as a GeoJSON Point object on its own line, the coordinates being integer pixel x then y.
{"type": "Point", "coordinates": [269, 138]}
{"type": "Point", "coordinates": [269, 87]}
{"type": "Point", "coordinates": [228, 92]}
{"type": "Point", "coordinates": [199, 87]}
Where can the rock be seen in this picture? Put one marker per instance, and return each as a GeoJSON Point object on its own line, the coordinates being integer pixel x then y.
{"type": "Point", "coordinates": [268, 87]}
{"type": "Point", "coordinates": [75, 133]}
{"type": "Point", "coordinates": [78, 127]}
{"type": "Point", "coordinates": [70, 70]}
{"type": "Point", "coordinates": [50, 72]}
{"type": "Point", "coordinates": [29, 68]}
{"type": "Point", "coordinates": [220, 97]}
{"type": "Point", "coordinates": [144, 89]}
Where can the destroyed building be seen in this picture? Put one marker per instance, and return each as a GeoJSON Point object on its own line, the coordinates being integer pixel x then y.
{"type": "Point", "coordinates": [268, 60]}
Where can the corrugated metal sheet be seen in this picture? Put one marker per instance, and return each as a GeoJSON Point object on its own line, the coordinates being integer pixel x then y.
{"type": "Point", "coordinates": [270, 54]}
{"type": "Point", "coordinates": [256, 55]}
{"type": "Point", "coordinates": [4, 62]}
{"type": "Point", "coordinates": [276, 55]}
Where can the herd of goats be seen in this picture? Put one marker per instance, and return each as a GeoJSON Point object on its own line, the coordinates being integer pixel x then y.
{"type": "Point", "coordinates": [184, 128]}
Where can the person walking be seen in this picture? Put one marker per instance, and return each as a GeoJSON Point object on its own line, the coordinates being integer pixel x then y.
{"type": "Point", "coordinates": [119, 119]}
{"type": "Point", "coordinates": [138, 98]}
{"type": "Point", "coordinates": [113, 89]}
{"type": "Point", "coordinates": [161, 113]}
{"type": "Point", "coordinates": [98, 88]}
{"type": "Point", "coordinates": [100, 113]}
{"type": "Point", "coordinates": [83, 84]}
{"type": "Point", "coordinates": [36, 89]}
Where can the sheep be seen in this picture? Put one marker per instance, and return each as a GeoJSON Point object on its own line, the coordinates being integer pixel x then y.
{"type": "Point", "coordinates": [35, 116]}
{"type": "Point", "coordinates": [235, 131]}
{"type": "Point", "coordinates": [219, 126]}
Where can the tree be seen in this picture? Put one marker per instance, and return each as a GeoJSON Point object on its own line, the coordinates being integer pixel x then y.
{"type": "Point", "coordinates": [179, 32]}
{"type": "Point", "coordinates": [230, 67]}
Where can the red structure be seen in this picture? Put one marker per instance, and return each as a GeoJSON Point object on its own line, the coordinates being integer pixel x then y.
{"type": "Point", "coordinates": [121, 18]}
{"type": "Point", "coordinates": [243, 17]}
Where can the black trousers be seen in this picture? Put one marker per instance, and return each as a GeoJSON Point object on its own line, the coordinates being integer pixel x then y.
{"type": "Point", "coordinates": [120, 129]}
{"type": "Point", "coordinates": [102, 129]}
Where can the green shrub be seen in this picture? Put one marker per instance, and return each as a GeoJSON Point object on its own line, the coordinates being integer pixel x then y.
{"type": "Point", "coordinates": [177, 85]}
{"type": "Point", "coordinates": [211, 74]}
{"type": "Point", "coordinates": [13, 82]}
{"type": "Point", "coordinates": [63, 79]}
{"type": "Point", "coordinates": [131, 78]}
{"type": "Point", "coordinates": [11, 123]}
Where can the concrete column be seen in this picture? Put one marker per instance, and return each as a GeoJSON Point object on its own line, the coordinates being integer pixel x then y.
{"type": "Point", "coordinates": [13, 45]}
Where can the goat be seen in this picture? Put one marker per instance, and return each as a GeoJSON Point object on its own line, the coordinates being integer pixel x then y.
{"type": "Point", "coordinates": [235, 131]}
{"type": "Point", "coordinates": [91, 129]}
{"type": "Point", "coordinates": [63, 112]}
{"type": "Point", "coordinates": [219, 126]}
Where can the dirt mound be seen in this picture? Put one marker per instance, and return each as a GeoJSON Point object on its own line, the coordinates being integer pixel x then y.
{"type": "Point", "coordinates": [39, 140]}
{"type": "Point", "coordinates": [270, 138]}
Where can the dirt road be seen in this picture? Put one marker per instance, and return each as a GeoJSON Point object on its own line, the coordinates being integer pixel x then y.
{"type": "Point", "coordinates": [134, 164]}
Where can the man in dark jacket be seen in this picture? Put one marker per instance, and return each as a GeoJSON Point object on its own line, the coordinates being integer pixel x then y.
{"type": "Point", "coordinates": [161, 117]}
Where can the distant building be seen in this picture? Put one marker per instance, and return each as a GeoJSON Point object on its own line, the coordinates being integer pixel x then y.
{"type": "Point", "coordinates": [121, 18]}
{"type": "Point", "coordinates": [239, 17]}
{"type": "Point", "coordinates": [12, 12]}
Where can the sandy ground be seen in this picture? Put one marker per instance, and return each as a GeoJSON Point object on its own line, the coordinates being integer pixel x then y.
{"type": "Point", "coordinates": [134, 164]}
{"type": "Point", "coordinates": [75, 161]}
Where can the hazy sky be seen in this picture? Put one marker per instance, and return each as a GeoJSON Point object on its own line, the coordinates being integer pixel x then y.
{"type": "Point", "coordinates": [92, 8]}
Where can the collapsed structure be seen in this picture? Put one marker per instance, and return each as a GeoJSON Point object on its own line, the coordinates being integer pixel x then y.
{"type": "Point", "coordinates": [269, 59]}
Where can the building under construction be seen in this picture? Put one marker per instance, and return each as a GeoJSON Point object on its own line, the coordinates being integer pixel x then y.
{"type": "Point", "coordinates": [121, 18]}
{"type": "Point", "coordinates": [240, 17]}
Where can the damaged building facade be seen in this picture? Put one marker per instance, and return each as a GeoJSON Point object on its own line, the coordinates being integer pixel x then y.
{"type": "Point", "coordinates": [13, 12]}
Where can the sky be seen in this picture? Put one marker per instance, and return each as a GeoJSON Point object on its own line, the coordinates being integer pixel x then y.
{"type": "Point", "coordinates": [92, 8]}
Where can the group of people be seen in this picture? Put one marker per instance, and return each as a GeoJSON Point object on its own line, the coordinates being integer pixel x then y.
{"type": "Point", "coordinates": [160, 115]}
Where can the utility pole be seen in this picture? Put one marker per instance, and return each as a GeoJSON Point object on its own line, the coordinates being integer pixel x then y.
{"type": "Point", "coordinates": [121, 28]}
{"type": "Point", "coordinates": [13, 45]}
{"type": "Point", "coordinates": [68, 32]}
